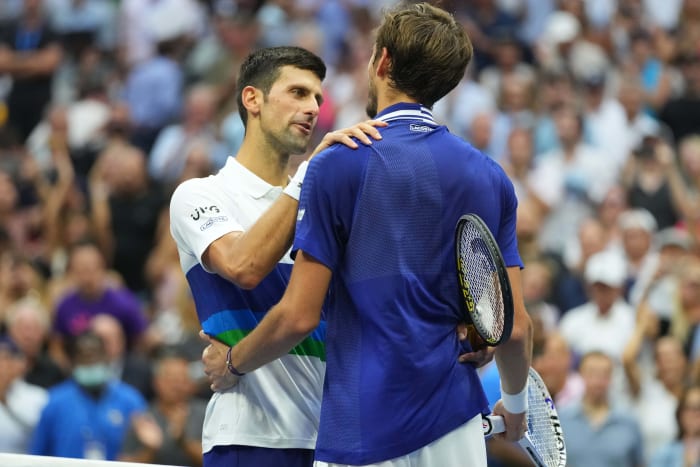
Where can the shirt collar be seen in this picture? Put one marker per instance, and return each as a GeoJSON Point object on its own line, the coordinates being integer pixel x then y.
{"type": "Point", "coordinates": [247, 180]}
{"type": "Point", "coordinates": [406, 111]}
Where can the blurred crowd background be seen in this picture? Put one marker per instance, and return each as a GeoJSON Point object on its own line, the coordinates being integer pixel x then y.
{"type": "Point", "coordinates": [592, 107]}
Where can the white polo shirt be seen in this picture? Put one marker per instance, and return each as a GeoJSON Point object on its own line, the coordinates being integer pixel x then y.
{"type": "Point", "coordinates": [277, 405]}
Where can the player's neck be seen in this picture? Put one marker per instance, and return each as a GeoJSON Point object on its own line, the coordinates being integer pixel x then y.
{"type": "Point", "coordinates": [263, 161]}
{"type": "Point", "coordinates": [388, 97]}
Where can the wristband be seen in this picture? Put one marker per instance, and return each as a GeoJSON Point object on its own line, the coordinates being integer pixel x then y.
{"type": "Point", "coordinates": [232, 369]}
{"type": "Point", "coordinates": [293, 188]}
{"type": "Point", "coordinates": [515, 403]}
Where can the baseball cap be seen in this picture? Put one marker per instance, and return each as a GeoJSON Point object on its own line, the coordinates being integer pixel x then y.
{"type": "Point", "coordinates": [607, 268]}
{"type": "Point", "coordinates": [637, 219]}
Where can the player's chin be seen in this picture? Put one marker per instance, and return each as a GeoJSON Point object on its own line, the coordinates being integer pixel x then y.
{"type": "Point", "coordinates": [298, 144]}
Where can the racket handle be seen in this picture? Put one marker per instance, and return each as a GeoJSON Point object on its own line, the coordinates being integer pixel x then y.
{"type": "Point", "coordinates": [493, 424]}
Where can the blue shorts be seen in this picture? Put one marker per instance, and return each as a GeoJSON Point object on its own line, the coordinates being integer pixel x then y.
{"type": "Point", "coordinates": [247, 456]}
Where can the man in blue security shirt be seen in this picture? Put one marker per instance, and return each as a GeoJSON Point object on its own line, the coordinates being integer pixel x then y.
{"type": "Point", "coordinates": [376, 230]}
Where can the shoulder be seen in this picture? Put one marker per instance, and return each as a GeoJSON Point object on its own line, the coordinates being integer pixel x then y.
{"type": "Point", "coordinates": [127, 394]}
{"type": "Point", "coordinates": [191, 194]}
{"type": "Point", "coordinates": [121, 294]}
{"type": "Point", "coordinates": [188, 188]}
{"type": "Point", "coordinates": [59, 393]}
{"type": "Point", "coordinates": [339, 162]}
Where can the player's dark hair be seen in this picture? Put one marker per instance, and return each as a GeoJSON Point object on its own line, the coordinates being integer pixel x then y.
{"type": "Point", "coordinates": [428, 48]}
{"type": "Point", "coordinates": [262, 68]}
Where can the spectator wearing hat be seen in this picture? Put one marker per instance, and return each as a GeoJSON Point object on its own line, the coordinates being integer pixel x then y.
{"type": "Point", "coordinates": [605, 322]}
{"type": "Point", "coordinates": [20, 402]}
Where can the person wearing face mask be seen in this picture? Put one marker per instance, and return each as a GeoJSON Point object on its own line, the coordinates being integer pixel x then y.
{"type": "Point", "coordinates": [88, 415]}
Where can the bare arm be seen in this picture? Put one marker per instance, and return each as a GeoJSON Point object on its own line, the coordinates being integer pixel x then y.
{"type": "Point", "coordinates": [245, 258]}
{"type": "Point", "coordinates": [514, 358]}
{"type": "Point", "coordinates": [646, 326]}
{"type": "Point", "coordinates": [36, 63]}
{"type": "Point", "coordinates": [287, 323]}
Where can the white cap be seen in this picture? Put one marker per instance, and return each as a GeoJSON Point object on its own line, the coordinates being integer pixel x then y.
{"type": "Point", "coordinates": [561, 27]}
{"type": "Point", "coordinates": [606, 267]}
{"type": "Point", "coordinates": [637, 219]}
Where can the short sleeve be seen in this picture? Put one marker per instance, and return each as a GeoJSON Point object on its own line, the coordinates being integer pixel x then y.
{"type": "Point", "coordinates": [507, 238]}
{"type": "Point", "coordinates": [327, 202]}
{"type": "Point", "coordinates": [198, 217]}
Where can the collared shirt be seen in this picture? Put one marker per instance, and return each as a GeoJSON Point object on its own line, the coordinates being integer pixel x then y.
{"type": "Point", "coordinates": [74, 424]}
{"type": "Point", "coordinates": [617, 442]}
{"type": "Point", "coordinates": [277, 405]}
{"type": "Point", "coordinates": [382, 218]}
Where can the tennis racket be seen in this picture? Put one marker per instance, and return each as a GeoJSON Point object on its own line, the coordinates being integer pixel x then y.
{"type": "Point", "coordinates": [483, 281]}
{"type": "Point", "coordinates": [544, 438]}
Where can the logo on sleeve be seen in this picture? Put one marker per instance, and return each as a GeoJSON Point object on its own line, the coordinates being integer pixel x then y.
{"type": "Point", "coordinates": [203, 211]}
{"type": "Point", "coordinates": [211, 221]}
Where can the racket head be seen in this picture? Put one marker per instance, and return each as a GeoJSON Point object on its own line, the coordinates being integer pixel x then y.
{"type": "Point", "coordinates": [483, 281]}
{"type": "Point", "coordinates": [544, 441]}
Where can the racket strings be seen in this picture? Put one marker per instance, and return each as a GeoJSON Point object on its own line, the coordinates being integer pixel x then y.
{"type": "Point", "coordinates": [481, 274]}
{"type": "Point", "coordinates": [542, 426]}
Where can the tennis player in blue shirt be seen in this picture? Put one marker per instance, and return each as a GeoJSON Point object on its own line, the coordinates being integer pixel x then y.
{"type": "Point", "coordinates": [374, 238]}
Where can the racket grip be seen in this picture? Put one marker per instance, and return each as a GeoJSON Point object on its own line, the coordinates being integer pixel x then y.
{"type": "Point", "coordinates": [493, 424]}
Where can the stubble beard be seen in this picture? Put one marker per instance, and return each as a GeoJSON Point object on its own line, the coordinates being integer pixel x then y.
{"type": "Point", "coordinates": [371, 108]}
{"type": "Point", "coordinates": [286, 143]}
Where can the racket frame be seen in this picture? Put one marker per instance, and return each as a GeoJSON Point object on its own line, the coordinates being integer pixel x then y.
{"type": "Point", "coordinates": [501, 272]}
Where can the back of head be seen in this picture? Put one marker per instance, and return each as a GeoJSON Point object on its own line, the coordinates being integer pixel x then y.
{"type": "Point", "coordinates": [262, 68]}
{"type": "Point", "coordinates": [429, 51]}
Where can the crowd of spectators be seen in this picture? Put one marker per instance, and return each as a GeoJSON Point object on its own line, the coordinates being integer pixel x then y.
{"type": "Point", "coordinates": [591, 107]}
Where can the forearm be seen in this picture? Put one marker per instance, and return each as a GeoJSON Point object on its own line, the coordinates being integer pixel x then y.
{"type": "Point", "coordinates": [274, 337]}
{"type": "Point", "coordinates": [257, 251]}
{"type": "Point", "coordinates": [101, 222]}
{"type": "Point", "coordinates": [288, 322]}
{"type": "Point", "coordinates": [514, 357]}
{"type": "Point", "coordinates": [39, 63]}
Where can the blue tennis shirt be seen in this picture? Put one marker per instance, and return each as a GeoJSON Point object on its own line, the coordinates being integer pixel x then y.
{"type": "Point", "coordinates": [382, 217]}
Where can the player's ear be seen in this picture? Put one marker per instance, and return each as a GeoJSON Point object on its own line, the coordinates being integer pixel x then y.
{"type": "Point", "coordinates": [383, 63]}
{"type": "Point", "coordinates": [252, 98]}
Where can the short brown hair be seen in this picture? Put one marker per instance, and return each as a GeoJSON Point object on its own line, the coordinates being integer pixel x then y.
{"type": "Point", "coordinates": [428, 48]}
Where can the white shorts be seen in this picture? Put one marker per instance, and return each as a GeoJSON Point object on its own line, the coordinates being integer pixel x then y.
{"type": "Point", "coordinates": [463, 446]}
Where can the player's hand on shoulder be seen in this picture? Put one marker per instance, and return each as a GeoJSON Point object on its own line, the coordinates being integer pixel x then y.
{"type": "Point", "coordinates": [215, 367]}
{"type": "Point", "coordinates": [362, 131]}
{"type": "Point", "coordinates": [516, 423]}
